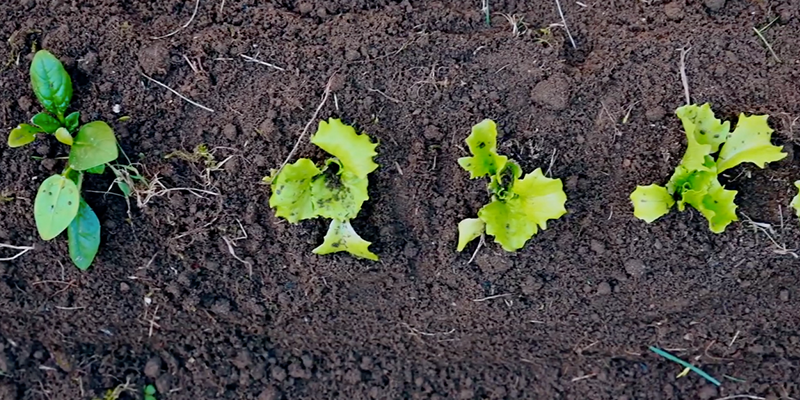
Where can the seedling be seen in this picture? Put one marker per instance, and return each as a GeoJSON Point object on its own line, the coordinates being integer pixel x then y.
{"type": "Point", "coordinates": [712, 149]}
{"type": "Point", "coordinates": [58, 205]}
{"type": "Point", "coordinates": [796, 200]}
{"type": "Point", "coordinates": [334, 190]}
{"type": "Point", "coordinates": [519, 207]}
{"type": "Point", "coordinates": [149, 392]}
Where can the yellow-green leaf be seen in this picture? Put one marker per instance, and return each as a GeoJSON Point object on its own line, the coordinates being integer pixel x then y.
{"type": "Point", "coordinates": [716, 204]}
{"type": "Point", "coordinates": [55, 206]}
{"type": "Point", "coordinates": [354, 151]}
{"type": "Point", "coordinates": [482, 144]}
{"type": "Point", "coordinates": [291, 191]}
{"type": "Point", "coordinates": [651, 202]}
{"type": "Point", "coordinates": [63, 136]}
{"type": "Point", "coordinates": [796, 200]}
{"type": "Point", "coordinates": [94, 144]}
{"type": "Point", "coordinates": [468, 230]}
{"type": "Point", "coordinates": [542, 197]}
{"type": "Point", "coordinates": [702, 126]}
{"type": "Point", "coordinates": [508, 223]}
{"type": "Point", "coordinates": [749, 142]}
{"type": "Point", "coordinates": [22, 135]}
{"type": "Point", "coordinates": [339, 196]}
{"type": "Point", "coordinates": [342, 237]}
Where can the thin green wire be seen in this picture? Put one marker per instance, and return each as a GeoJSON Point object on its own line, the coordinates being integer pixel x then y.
{"type": "Point", "coordinates": [694, 369]}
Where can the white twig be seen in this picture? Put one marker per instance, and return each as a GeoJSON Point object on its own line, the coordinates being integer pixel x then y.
{"type": "Point", "coordinates": [196, 6]}
{"type": "Point", "coordinates": [491, 297]}
{"type": "Point", "coordinates": [308, 125]}
{"type": "Point", "coordinates": [684, 78]}
{"type": "Point", "coordinates": [23, 250]}
{"type": "Point", "coordinates": [475, 254]}
{"type": "Point", "coordinates": [564, 21]}
{"type": "Point", "coordinates": [257, 61]}
{"type": "Point", "coordinates": [176, 93]}
{"type": "Point", "coordinates": [230, 245]}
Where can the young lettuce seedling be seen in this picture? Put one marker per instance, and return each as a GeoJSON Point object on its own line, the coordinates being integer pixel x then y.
{"type": "Point", "coordinates": [796, 200]}
{"type": "Point", "coordinates": [519, 207]}
{"type": "Point", "coordinates": [712, 148]}
{"type": "Point", "coordinates": [335, 190]}
{"type": "Point", "coordinates": [59, 205]}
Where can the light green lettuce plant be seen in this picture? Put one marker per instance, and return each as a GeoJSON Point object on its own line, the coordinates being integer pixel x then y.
{"type": "Point", "coordinates": [334, 190]}
{"type": "Point", "coordinates": [519, 206]}
{"type": "Point", "coordinates": [712, 149]}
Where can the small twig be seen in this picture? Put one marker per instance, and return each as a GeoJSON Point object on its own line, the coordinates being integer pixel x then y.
{"type": "Point", "coordinates": [684, 78]}
{"type": "Point", "coordinates": [24, 249]}
{"type": "Point", "coordinates": [69, 308]}
{"type": "Point", "coordinates": [308, 125]}
{"type": "Point", "coordinates": [741, 396]}
{"type": "Point", "coordinates": [257, 61]}
{"type": "Point", "coordinates": [564, 21]}
{"type": "Point", "coordinates": [390, 98]}
{"type": "Point", "coordinates": [196, 6]}
{"type": "Point", "coordinates": [221, 6]}
{"type": "Point", "coordinates": [176, 93]}
{"type": "Point", "coordinates": [760, 33]}
{"type": "Point", "coordinates": [497, 296]}
{"type": "Point", "coordinates": [580, 378]}
{"type": "Point", "coordinates": [475, 254]}
{"type": "Point", "coordinates": [736, 335]}
{"type": "Point", "coordinates": [230, 245]}
{"type": "Point", "coordinates": [419, 332]}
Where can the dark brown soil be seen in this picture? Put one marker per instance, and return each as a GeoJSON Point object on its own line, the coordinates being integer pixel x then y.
{"type": "Point", "coordinates": [166, 302]}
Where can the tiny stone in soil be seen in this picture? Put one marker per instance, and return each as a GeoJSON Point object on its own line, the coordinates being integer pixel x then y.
{"type": "Point", "coordinates": [715, 5]}
{"type": "Point", "coordinates": [553, 92]}
{"type": "Point", "coordinates": [635, 268]}
{"type": "Point", "coordinates": [164, 383]}
{"type": "Point", "coordinates": [784, 295]}
{"type": "Point", "coordinates": [604, 288]}
{"type": "Point", "coordinates": [655, 114]}
{"type": "Point", "coordinates": [674, 11]}
{"type": "Point", "coordinates": [153, 367]}
{"type": "Point", "coordinates": [269, 393]}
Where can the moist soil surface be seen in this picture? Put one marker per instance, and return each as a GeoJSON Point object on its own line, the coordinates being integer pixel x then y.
{"type": "Point", "coordinates": [206, 294]}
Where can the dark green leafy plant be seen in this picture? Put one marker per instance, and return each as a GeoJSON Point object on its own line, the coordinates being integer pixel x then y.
{"type": "Point", "coordinates": [59, 205]}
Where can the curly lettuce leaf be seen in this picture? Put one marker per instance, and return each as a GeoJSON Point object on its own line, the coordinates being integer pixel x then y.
{"type": "Point", "coordinates": [702, 126]}
{"type": "Point", "coordinates": [651, 202]}
{"type": "Point", "coordinates": [515, 220]}
{"type": "Point", "coordinates": [508, 223]}
{"type": "Point", "coordinates": [339, 195]}
{"type": "Point", "coordinates": [468, 230]}
{"type": "Point", "coordinates": [354, 151]}
{"type": "Point", "coordinates": [542, 197]}
{"type": "Point", "coordinates": [749, 142]}
{"type": "Point", "coordinates": [291, 191]}
{"type": "Point", "coordinates": [342, 237]}
{"type": "Point", "coordinates": [715, 203]}
{"type": "Point", "coordinates": [482, 144]}
{"type": "Point", "coordinates": [796, 200]}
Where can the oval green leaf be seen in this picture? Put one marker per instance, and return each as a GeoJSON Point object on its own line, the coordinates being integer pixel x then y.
{"type": "Point", "coordinates": [55, 206]}
{"type": "Point", "coordinates": [47, 122]}
{"type": "Point", "coordinates": [84, 236]}
{"type": "Point", "coordinates": [468, 230]}
{"type": "Point", "coordinates": [22, 135]}
{"type": "Point", "coordinates": [51, 83]}
{"type": "Point", "coordinates": [72, 121]}
{"type": "Point", "coordinates": [94, 145]}
{"type": "Point", "coordinates": [651, 202]}
{"type": "Point", "coordinates": [63, 136]}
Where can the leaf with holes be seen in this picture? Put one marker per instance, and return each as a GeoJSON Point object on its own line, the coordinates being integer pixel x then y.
{"type": "Point", "coordinates": [342, 237]}
{"type": "Point", "coordinates": [84, 236]}
{"type": "Point", "coordinates": [21, 135]}
{"type": "Point", "coordinates": [94, 145]}
{"type": "Point", "coordinates": [56, 205]}
{"type": "Point", "coordinates": [482, 144]}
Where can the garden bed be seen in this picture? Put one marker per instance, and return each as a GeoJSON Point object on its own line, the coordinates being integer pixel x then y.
{"type": "Point", "coordinates": [209, 295]}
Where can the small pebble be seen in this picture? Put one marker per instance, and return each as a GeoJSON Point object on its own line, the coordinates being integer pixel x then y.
{"type": "Point", "coordinates": [604, 288]}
